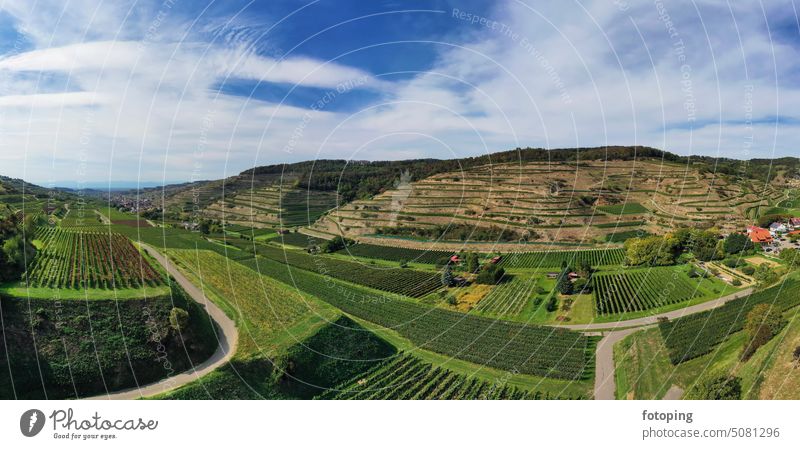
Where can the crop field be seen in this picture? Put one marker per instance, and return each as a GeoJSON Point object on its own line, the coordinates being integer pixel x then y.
{"type": "Point", "coordinates": [529, 349]}
{"type": "Point", "coordinates": [634, 291]}
{"type": "Point", "coordinates": [405, 377]}
{"type": "Point", "coordinates": [508, 298]}
{"type": "Point", "coordinates": [263, 307]}
{"type": "Point", "coordinates": [400, 281]}
{"type": "Point", "coordinates": [296, 239]}
{"type": "Point", "coordinates": [555, 259]}
{"type": "Point", "coordinates": [697, 334]}
{"type": "Point", "coordinates": [89, 260]}
{"type": "Point", "coordinates": [395, 254]}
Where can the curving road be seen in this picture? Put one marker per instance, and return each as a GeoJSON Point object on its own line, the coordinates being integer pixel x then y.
{"type": "Point", "coordinates": [648, 320]}
{"type": "Point", "coordinates": [227, 337]}
{"type": "Point", "coordinates": [604, 382]}
{"type": "Point", "coordinates": [604, 388]}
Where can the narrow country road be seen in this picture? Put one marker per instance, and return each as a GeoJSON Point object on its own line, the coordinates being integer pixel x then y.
{"type": "Point", "coordinates": [227, 337]}
{"type": "Point", "coordinates": [648, 320]}
{"type": "Point", "coordinates": [604, 383]}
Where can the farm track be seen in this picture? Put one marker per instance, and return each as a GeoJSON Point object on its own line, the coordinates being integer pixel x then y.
{"type": "Point", "coordinates": [604, 383]}
{"type": "Point", "coordinates": [226, 332]}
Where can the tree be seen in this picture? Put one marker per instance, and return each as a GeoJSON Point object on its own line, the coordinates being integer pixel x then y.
{"type": "Point", "coordinates": [736, 243]}
{"type": "Point", "coordinates": [706, 244]}
{"type": "Point", "coordinates": [336, 244]}
{"type": "Point", "coordinates": [581, 286]}
{"type": "Point", "coordinates": [722, 388]}
{"type": "Point", "coordinates": [791, 257]}
{"type": "Point", "coordinates": [796, 356]}
{"type": "Point", "coordinates": [762, 323]}
{"type": "Point", "coordinates": [552, 304]}
{"type": "Point", "coordinates": [748, 270]}
{"type": "Point", "coordinates": [651, 251]}
{"type": "Point", "coordinates": [447, 276]}
{"type": "Point", "coordinates": [178, 319]}
{"type": "Point", "coordinates": [472, 263]}
{"type": "Point", "coordinates": [563, 284]}
{"type": "Point", "coordinates": [585, 268]}
{"type": "Point", "coordinates": [490, 275]}
{"type": "Point", "coordinates": [765, 275]}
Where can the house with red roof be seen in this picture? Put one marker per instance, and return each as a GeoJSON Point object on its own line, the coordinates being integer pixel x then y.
{"type": "Point", "coordinates": [759, 235]}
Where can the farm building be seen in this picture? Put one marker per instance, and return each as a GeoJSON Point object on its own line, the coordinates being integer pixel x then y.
{"type": "Point", "coordinates": [759, 235]}
{"type": "Point", "coordinates": [794, 222]}
{"type": "Point", "coordinates": [496, 259]}
{"type": "Point", "coordinates": [777, 228]}
{"type": "Point", "coordinates": [455, 259]}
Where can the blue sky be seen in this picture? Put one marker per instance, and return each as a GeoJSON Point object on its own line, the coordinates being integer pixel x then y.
{"type": "Point", "coordinates": [175, 90]}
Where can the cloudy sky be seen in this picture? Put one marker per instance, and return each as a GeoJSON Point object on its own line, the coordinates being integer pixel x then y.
{"type": "Point", "coordinates": [92, 91]}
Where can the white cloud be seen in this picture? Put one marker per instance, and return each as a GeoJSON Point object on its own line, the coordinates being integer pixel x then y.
{"type": "Point", "coordinates": [565, 78]}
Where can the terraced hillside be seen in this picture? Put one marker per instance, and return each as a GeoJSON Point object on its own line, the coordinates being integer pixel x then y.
{"type": "Point", "coordinates": [566, 202]}
{"type": "Point", "coordinates": [276, 205]}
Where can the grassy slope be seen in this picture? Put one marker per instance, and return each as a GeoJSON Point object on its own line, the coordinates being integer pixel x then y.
{"type": "Point", "coordinates": [67, 349]}
{"type": "Point", "coordinates": [645, 372]}
{"type": "Point", "coordinates": [256, 369]}
{"type": "Point", "coordinates": [556, 387]}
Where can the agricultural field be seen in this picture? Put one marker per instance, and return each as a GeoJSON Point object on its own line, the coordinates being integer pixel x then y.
{"type": "Point", "coordinates": [555, 259]}
{"type": "Point", "coordinates": [395, 254]}
{"type": "Point", "coordinates": [697, 334]}
{"type": "Point", "coordinates": [530, 349]}
{"type": "Point", "coordinates": [551, 203]}
{"type": "Point", "coordinates": [509, 298]}
{"type": "Point", "coordinates": [624, 209]}
{"type": "Point", "coordinates": [408, 282]}
{"type": "Point", "coordinates": [77, 260]}
{"type": "Point", "coordinates": [273, 206]}
{"type": "Point", "coordinates": [405, 377]}
{"type": "Point", "coordinates": [639, 290]}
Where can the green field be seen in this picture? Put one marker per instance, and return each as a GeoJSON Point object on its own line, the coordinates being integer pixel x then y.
{"type": "Point", "coordinates": [76, 260]}
{"type": "Point", "coordinates": [697, 334]}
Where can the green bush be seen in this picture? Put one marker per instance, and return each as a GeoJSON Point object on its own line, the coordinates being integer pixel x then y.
{"type": "Point", "coordinates": [178, 318]}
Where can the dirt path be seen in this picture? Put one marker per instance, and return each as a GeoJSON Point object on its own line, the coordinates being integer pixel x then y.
{"type": "Point", "coordinates": [225, 330]}
{"type": "Point", "coordinates": [674, 393]}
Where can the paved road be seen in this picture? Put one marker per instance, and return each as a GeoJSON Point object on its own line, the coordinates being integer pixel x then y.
{"type": "Point", "coordinates": [226, 332]}
{"type": "Point", "coordinates": [604, 384]}
{"type": "Point", "coordinates": [647, 321]}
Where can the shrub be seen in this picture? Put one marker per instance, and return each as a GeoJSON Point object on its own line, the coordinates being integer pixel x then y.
{"type": "Point", "coordinates": [552, 304]}
{"type": "Point", "coordinates": [748, 270]}
{"type": "Point", "coordinates": [736, 282]}
{"type": "Point", "coordinates": [336, 244]}
{"type": "Point", "coordinates": [178, 319]}
{"type": "Point", "coordinates": [490, 275]}
{"type": "Point", "coordinates": [722, 388]}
